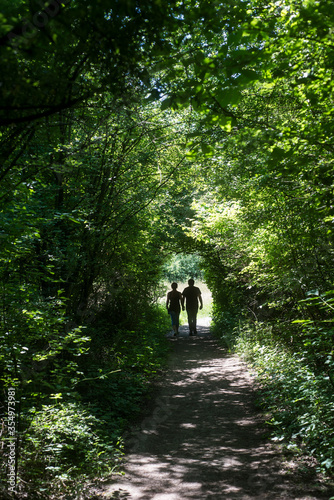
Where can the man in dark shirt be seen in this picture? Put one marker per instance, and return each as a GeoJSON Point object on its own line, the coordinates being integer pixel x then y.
{"type": "Point", "coordinates": [192, 295]}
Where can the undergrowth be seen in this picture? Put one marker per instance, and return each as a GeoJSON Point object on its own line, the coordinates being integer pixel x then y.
{"type": "Point", "coordinates": [71, 439]}
{"type": "Point", "coordinates": [298, 397]}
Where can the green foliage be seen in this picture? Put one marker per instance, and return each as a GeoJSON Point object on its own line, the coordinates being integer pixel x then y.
{"type": "Point", "coordinates": [72, 437]}
{"type": "Point", "coordinates": [79, 278]}
{"type": "Point", "coordinates": [298, 397]}
{"type": "Point", "coordinates": [224, 326]}
{"type": "Point", "coordinates": [183, 267]}
{"type": "Point", "coordinates": [70, 51]}
{"type": "Point", "coordinates": [64, 443]}
{"type": "Point", "coordinates": [114, 118]}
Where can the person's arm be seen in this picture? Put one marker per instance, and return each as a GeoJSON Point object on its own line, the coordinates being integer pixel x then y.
{"type": "Point", "coordinates": [167, 301]}
{"type": "Point", "coordinates": [200, 300]}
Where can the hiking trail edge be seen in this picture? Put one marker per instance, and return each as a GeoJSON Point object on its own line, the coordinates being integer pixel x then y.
{"type": "Point", "coordinates": [204, 438]}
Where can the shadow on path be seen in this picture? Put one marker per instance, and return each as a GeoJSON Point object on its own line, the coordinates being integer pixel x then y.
{"type": "Point", "coordinates": [204, 439]}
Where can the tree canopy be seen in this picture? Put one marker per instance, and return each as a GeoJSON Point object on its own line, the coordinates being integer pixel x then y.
{"type": "Point", "coordinates": [132, 132]}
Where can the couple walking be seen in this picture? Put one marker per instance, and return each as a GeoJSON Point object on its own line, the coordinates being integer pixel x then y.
{"type": "Point", "coordinates": [175, 300]}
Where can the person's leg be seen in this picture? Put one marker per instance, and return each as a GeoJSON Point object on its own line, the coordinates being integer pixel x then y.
{"type": "Point", "coordinates": [195, 322]}
{"type": "Point", "coordinates": [192, 321]}
{"type": "Point", "coordinates": [177, 323]}
{"type": "Point", "coordinates": [189, 321]}
{"type": "Point", "coordinates": [173, 318]}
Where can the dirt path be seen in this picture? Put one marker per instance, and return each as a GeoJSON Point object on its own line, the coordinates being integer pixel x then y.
{"type": "Point", "coordinates": [204, 438]}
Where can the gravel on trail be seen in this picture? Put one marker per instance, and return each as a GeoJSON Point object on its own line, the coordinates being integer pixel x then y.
{"type": "Point", "coordinates": [204, 437]}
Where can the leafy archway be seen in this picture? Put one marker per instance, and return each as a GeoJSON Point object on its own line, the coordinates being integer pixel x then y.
{"type": "Point", "coordinates": [132, 133]}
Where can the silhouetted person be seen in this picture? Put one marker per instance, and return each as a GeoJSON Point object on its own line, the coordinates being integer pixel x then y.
{"type": "Point", "coordinates": [173, 305]}
{"type": "Point", "coordinates": [192, 295]}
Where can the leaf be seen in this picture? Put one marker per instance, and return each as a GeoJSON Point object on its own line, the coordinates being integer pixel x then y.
{"type": "Point", "coordinates": [207, 149]}
{"type": "Point", "coordinates": [304, 321]}
{"type": "Point", "coordinates": [167, 103]}
{"type": "Point", "coordinates": [247, 76]}
{"type": "Point", "coordinates": [228, 96]}
{"type": "Point", "coordinates": [225, 123]}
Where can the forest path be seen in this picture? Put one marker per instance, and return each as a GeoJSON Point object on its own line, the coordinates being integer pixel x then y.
{"type": "Point", "coordinates": [204, 438]}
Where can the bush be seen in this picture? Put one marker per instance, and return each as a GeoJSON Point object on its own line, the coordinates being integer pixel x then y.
{"type": "Point", "coordinates": [225, 328]}
{"type": "Point", "coordinates": [300, 401]}
{"type": "Point", "coordinates": [63, 444]}
{"type": "Point", "coordinates": [71, 437]}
